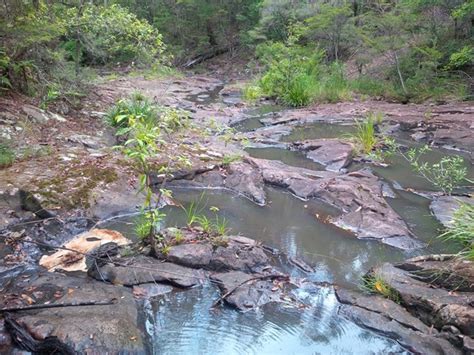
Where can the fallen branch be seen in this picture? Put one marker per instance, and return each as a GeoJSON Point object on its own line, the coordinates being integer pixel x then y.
{"type": "Point", "coordinates": [259, 278]}
{"type": "Point", "coordinates": [58, 305]}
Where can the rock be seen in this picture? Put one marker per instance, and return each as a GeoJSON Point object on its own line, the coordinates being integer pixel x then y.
{"type": "Point", "coordinates": [335, 154]}
{"type": "Point", "coordinates": [191, 255]}
{"type": "Point", "coordinates": [142, 269]}
{"type": "Point", "coordinates": [245, 180]}
{"type": "Point", "coordinates": [84, 243]}
{"type": "Point", "coordinates": [359, 196]}
{"type": "Point", "coordinates": [88, 329]}
{"type": "Point", "coordinates": [446, 271]}
{"type": "Point", "coordinates": [87, 141]}
{"type": "Point", "coordinates": [249, 294]}
{"type": "Point", "coordinates": [238, 256]}
{"type": "Point", "coordinates": [238, 253]}
{"type": "Point", "coordinates": [414, 341]}
{"type": "Point", "coordinates": [434, 306]}
{"type": "Point", "coordinates": [419, 136]}
{"type": "Point", "coordinates": [443, 207]}
{"type": "Point", "coordinates": [36, 114]}
{"type": "Point", "coordinates": [151, 290]}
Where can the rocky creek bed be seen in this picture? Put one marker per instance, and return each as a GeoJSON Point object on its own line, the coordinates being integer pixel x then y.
{"type": "Point", "coordinates": [262, 278]}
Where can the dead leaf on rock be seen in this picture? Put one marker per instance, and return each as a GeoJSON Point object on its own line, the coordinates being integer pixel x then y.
{"type": "Point", "coordinates": [84, 243]}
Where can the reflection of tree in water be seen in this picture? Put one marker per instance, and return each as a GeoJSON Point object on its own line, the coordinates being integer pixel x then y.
{"type": "Point", "coordinates": [185, 324]}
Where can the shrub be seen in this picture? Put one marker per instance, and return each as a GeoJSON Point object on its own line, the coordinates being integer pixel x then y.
{"type": "Point", "coordinates": [366, 85]}
{"type": "Point", "coordinates": [447, 174]}
{"type": "Point", "coordinates": [110, 34]}
{"type": "Point", "coordinates": [461, 229]}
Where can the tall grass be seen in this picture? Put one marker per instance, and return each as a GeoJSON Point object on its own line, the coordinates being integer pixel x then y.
{"type": "Point", "coordinates": [7, 156]}
{"type": "Point", "coordinates": [365, 136]}
{"type": "Point", "coordinates": [461, 229]}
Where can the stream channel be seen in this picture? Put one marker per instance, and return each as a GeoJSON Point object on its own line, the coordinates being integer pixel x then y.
{"type": "Point", "coordinates": [182, 322]}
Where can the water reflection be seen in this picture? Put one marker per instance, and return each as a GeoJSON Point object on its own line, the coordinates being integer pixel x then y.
{"type": "Point", "coordinates": [185, 325]}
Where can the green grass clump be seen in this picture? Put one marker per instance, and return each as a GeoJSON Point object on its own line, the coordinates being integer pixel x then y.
{"type": "Point", "coordinates": [375, 284]}
{"type": "Point", "coordinates": [461, 230]}
{"type": "Point", "coordinates": [365, 136]}
{"type": "Point", "coordinates": [251, 93]}
{"type": "Point", "coordinates": [142, 227]}
{"type": "Point", "coordinates": [7, 156]}
{"type": "Point", "coordinates": [135, 108]}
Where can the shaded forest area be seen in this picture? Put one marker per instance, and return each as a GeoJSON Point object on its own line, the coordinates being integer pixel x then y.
{"type": "Point", "coordinates": [300, 51]}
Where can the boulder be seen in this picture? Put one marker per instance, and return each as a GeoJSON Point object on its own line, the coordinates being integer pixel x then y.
{"type": "Point", "coordinates": [434, 306]}
{"type": "Point", "coordinates": [191, 255]}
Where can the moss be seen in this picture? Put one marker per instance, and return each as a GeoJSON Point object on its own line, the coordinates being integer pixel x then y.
{"type": "Point", "coordinates": [72, 186]}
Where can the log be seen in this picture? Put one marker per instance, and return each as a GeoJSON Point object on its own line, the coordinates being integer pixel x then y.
{"type": "Point", "coordinates": [205, 56]}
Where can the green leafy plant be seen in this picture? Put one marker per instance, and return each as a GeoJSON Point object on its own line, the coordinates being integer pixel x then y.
{"type": "Point", "coordinates": [461, 229]}
{"type": "Point", "coordinates": [447, 174]}
{"type": "Point", "coordinates": [127, 112]}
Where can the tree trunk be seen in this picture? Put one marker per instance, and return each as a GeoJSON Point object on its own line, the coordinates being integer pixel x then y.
{"type": "Point", "coordinates": [402, 82]}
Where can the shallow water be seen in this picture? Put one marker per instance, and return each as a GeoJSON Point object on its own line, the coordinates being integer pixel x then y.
{"type": "Point", "coordinates": [185, 324]}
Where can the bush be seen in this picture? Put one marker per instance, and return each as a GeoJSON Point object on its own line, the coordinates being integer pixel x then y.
{"type": "Point", "coordinates": [447, 174]}
{"type": "Point", "coordinates": [366, 85]}
{"type": "Point", "coordinates": [138, 107]}
{"type": "Point", "coordinates": [251, 93]}
{"type": "Point", "coordinates": [111, 34]}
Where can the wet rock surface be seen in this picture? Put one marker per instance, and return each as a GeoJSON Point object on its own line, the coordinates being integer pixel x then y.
{"type": "Point", "coordinates": [106, 328]}
{"type": "Point", "coordinates": [335, 154]}
{"type": "Point", "coordinates": [434, 313]}
{"type": "Point", "coordinates": [443, 207]}
{"type": "Point", "coordinates": [358, 195]}
{"type": "Point", "coordinates": [142, 269]}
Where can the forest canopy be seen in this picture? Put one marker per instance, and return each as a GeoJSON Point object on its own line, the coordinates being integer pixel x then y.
{"type": "Point", "coordinates": [405, 50]}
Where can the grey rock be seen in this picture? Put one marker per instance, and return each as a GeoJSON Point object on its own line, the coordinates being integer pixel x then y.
{"type": "Point", "coordinates": [142, 269]}
{"type": "Point", "coordinates": [335, 154]}
{"type": "Point", "coordinates": [249, 293]}
{"type": "Point", "coordinates": [88, 329]}
{"type": "Point", "coordinates": [191, 255]}
{"type": "Point", "coordinates": [443, 207]}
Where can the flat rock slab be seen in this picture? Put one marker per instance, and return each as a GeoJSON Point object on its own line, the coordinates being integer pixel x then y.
{"type": "Point", "coordinates": [413, 340]}
{"type": "Point", "coordinates": [443, 207]}
{"type": "Point", "coordinates": [87, 329]}
{"type": "Point", "coordinates": [142, 269]}
{"type": "Point", "coordinates": [334, 154]}
{"type": "Point", "coordinates": [249, 293]}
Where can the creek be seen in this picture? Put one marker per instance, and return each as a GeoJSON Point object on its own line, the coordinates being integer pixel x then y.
{"type": "Point", "coordinates": [181, 322]}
